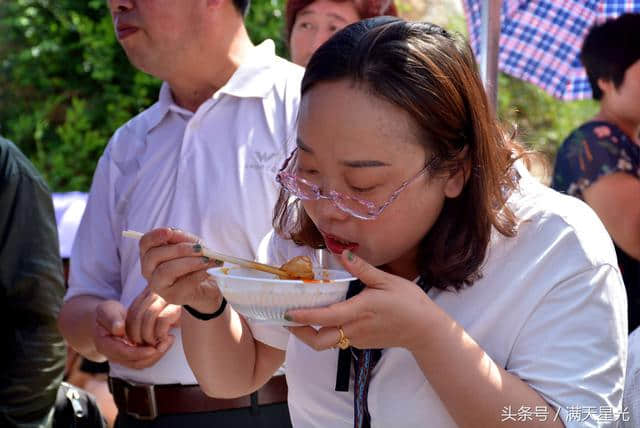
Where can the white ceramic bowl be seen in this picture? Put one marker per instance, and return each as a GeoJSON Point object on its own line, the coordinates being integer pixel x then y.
{"type": "Point", "coordinates": [263, 297]}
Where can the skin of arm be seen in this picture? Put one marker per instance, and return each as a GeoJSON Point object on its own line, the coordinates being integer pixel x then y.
{"type": "Point", "coordinates": [225, 358]}
{"type": "Point", "coordinates": [615, 198]}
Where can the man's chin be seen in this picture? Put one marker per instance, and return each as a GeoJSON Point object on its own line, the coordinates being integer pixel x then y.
{"type": "Point", "coordinates": [139, 63]}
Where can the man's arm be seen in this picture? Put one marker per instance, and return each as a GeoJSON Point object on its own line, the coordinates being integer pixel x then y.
{"type": "Point", "coordinates": [92, 318]}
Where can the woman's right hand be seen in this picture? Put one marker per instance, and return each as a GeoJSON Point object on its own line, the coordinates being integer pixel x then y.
{"type": "Point", "coordinates": [175, 268]}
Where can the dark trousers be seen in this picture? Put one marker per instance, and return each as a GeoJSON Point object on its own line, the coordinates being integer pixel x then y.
{"type": "Point", "coordinates": [266, 416]}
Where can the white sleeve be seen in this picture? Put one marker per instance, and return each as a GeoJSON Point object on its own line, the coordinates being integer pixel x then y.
{"type": "Point", "coordinates": [95, 260]}
{"type": "Point", "coordinates": [573, 348]}
{"type": "Point", "coordinates": [272, 250]}
{"type": "Point", "coordinates": [631, 399]}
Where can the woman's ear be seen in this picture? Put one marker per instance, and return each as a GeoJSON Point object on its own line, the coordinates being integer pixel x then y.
{"type": "Point", "coordinates": [458, 178]}
{"type": "Point", "coordinates": [605, 85]}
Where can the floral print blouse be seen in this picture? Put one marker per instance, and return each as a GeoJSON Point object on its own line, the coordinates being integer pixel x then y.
{"type": "Point", "coordinates": [592, 151]}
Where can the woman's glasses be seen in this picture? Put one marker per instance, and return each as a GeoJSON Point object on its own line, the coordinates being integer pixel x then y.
{"type": "Point", "coordinates": [352, 205]}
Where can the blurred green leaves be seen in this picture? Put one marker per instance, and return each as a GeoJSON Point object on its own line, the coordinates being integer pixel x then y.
{"type": "Point", "coordinates": [66, 85]}
{"type": "Point", "coordinates": [542, 121]}
{"type": "Point", "coordinates": [266, 21]}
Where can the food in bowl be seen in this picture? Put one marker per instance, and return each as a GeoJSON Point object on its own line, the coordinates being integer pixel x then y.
{"type": "Point", "coordinates": [264, 297]}
{"type": "Point", "coordinates": [299, 267]}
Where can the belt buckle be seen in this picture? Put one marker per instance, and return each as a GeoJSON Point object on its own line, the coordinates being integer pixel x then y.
{"type": "Point", "coordinates": [151, 400]}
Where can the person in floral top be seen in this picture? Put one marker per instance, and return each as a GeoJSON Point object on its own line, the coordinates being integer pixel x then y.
{"type": "Point", "coordinates": [600, 161]}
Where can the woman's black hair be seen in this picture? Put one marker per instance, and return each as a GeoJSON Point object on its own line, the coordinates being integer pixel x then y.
{"type": "Point", "coordinates": [609, 49]}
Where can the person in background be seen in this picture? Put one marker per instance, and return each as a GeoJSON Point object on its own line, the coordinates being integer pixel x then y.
{"type": "Point", "coordinates": [310, 23]}
{"type": "Point", "coordinates": [32, 287]}
{"type": "Point", "coordinates": [203, 158]}
{"type": "Point", "coordinates": [482, 292]}
{"type": "Point", "coordinates": [599, 162]}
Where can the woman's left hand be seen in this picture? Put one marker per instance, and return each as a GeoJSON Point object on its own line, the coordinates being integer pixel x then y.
{"type": "Point", "coordinates": [389, 312]}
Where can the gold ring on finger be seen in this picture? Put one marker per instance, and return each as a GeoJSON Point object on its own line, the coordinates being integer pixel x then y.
{"type": "Point", "coordinates": [343, 342]}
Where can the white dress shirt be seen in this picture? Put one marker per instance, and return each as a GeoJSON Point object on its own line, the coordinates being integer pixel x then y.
{"type": "Point", "coordinates": [211, 173]}
{"type": "Point", "coordinates": [550, 308]}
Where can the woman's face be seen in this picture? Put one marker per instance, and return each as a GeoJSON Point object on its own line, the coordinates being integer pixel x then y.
{"type": "Point", "coordinates": [623, 101]}
{"type": "Point", "coordinates": [315, 24]}
{"type": "Point", "coordinates": [358, 144]}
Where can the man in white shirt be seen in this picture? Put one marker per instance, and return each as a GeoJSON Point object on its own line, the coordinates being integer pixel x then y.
{"type": "Point", "coordinates": [203, 158]}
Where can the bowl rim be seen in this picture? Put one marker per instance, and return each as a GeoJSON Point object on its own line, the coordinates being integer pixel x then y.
{"type": "Point", "coordinates": [219, 272]}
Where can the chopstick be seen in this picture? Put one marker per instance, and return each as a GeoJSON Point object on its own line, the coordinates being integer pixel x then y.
{"type": "Point", "coordinates": [225, 258]}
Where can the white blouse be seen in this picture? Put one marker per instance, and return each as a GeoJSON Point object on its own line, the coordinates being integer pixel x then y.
{"type": "Point", "coordinates": [550, 308]}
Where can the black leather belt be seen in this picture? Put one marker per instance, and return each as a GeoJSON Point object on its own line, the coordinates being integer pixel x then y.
{"type": "Point", "coordinates": [144, 401]}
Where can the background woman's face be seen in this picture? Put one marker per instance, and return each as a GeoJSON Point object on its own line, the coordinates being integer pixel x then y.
{"type": "Point", "coordinates": [356, 143]}
{"type": "Point", "coordinates": [623, 101]}
{"type": "Point", "coordinates": [315, 24]}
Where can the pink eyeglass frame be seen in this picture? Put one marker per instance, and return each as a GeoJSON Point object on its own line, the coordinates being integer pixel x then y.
{"type": "Point", "coordinates": [289, 181]}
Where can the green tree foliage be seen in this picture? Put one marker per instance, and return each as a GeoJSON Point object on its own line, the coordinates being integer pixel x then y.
{"type": "Point", "coordinates": [542, 121]}
{"type": "Point", "coordinates": [266, 21]}
{"type": "Point", "coordinates": [66, 85]}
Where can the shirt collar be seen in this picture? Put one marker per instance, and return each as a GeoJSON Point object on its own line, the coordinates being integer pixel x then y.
{"type": "Point", "coordinates": [253, 79]}
{"type": "Point", "coordinates": [159, 110]}
{"type": "Point", "coordinates": [167, 102]}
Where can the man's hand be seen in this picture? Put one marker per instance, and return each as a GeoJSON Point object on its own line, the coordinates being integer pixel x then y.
{"type": "Point", "coordinates": [149, 318]}
{"type": "Point", "coordinates": [112, 342]}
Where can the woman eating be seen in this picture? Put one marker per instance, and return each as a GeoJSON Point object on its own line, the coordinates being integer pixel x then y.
{"type": "Point", "coordinates": [485, 299]}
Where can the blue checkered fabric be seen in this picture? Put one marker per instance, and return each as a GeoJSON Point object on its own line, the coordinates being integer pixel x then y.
{"type": "Point", "coordinates": [540, 40]}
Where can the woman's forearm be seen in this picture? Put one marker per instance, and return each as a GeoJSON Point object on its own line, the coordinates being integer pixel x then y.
{"type": "Point", "coordinates": [471, 385]}
{"type": "Point", "coordinates": [225, 358]}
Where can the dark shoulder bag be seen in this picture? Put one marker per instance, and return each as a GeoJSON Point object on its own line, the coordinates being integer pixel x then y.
{"type": "Point", "coordinates": [76, 408]}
